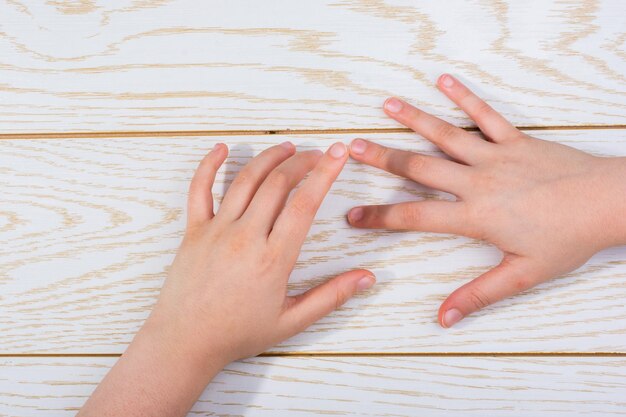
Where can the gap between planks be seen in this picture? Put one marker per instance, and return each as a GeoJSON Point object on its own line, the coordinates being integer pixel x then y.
{"type": "Point", "coordinates": [355, 354]}
{"type": "Point", "coordinates": [187, 133]}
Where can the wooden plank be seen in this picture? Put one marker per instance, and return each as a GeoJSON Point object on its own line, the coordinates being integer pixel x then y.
{"type": "Point", "coordinates": [197, 65]}
{"type": "Point", "coordinates": [348, 386]}
{"type": "Point", "coordinates": [88, 228]}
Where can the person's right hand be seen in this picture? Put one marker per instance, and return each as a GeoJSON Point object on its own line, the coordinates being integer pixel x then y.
{"type": "Point", "coordinates": [547, 206]}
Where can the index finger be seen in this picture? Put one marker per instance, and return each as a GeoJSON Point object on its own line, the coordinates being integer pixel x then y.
{"type": "Point", "coordinates": [453, 140]}
{"type": "Point", "coordinates": [433, 172]}
{"type": "Point", "coordinates": [490, 122]}
{"type": "Point", "coordinates": [295, 220]}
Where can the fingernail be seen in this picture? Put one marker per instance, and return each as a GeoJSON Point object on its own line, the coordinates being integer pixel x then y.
{"type": "Point", "coordinates": [393, 105]}
{"type": "Point", "coordinates": [337, 150]}
{"type": "Point", "coordinates": [287, 145]}
{"type": "Point", "coordinates": [358, 146]}
{"type": "Point", "coordinates": [451, 317]}
{"type": "Point", "coordinates": [446, 81]}
{"type": "Point", "coordinates": [356, 214]}
{"type": "Point", "coordinates": [217, 146]}
{"type": "Point", "coordinates": [365, 283]}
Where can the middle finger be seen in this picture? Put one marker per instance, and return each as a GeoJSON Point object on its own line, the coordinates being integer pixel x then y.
{"type": "Point", "coordinates": [272, 195]}
{"type": "Point", "coordinates": [433, 172]}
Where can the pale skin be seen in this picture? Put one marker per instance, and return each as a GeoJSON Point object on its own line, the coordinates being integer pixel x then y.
{"type": "Point", "coordinates": [225, 297]}
{"type": "Point", "coordinates": [548, 207]}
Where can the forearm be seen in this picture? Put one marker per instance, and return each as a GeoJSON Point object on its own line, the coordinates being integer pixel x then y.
{"type": "Point", "coordinates": [158, 375]}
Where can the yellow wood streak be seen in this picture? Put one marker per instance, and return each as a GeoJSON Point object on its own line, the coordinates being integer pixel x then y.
{"type": "Point", "coordinates": [364, 386]}
{"type": "Point", "coordinates": [214, 68]}
{"type": "Point", "coordinates": [90, 229]}
{"type": "Point", "coordinates": [208, 133]}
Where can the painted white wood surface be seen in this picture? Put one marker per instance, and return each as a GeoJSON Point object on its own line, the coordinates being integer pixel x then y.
{"type": "Point", "coordinates": [198, 65]}
{"type": "Point", "coordinates": [401, 386]}
{"type": "Point", "coordinates": [88, 228]}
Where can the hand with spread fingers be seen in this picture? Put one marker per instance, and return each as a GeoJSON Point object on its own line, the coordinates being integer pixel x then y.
{"type": "Point", "coordinates": [547, 206]}
{"type": "Point", "coordinates": [225, 297]}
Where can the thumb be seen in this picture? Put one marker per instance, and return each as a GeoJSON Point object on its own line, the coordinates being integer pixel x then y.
{"type": "Point", "coordinates": [513, 275]}
{"type": "Point", "coordinates": [310, 306]}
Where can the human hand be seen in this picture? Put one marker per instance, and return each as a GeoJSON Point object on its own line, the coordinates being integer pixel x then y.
{"type": "Point", "coordinates": [225, 297]}
{"type": "Point", "coordinates": [228, 283]}
{"type": "Point", "coordinates": [547, 206]}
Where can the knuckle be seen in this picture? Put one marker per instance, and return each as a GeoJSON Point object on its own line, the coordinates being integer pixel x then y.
{"type": "Point", "coordinates": [410, 215]}
{"type": "Point", "coordinates": [472, 224]}
{"type": "Point", "coordinates": [481, 109]}
{"type": "Point", "coordinates": [444, 132]}
{"type": "Point", "coordinates": [417, 116]}
{"type": "Point", "coordinates": [272, 257]}
{"type": "Point", "coordinates": [482, 182]}
{"type": "Point", "coordinates": [279, 179]}
{"type": "Point", "coordinates": [478, 299]}
{"type": "Point", "coordinates": [522, 278]}
{"type": "Point", "coordinates": [326, 171]}
{"type": "Point", "coordinates": [465, 94]}
{"type": "Point", "coordinates": [244, 177]}
{"type": "Point", "coordinates": [473, 213]}
{"type": "Point", "coordinates": [193, 234]}
{"type": "Point", "coordinates": [480, 218]}
{"type": "Point", "coordinates": [303, 206]}
{"type": "Point", "coordinates": [341, 296]}
{"type": "Point", "coordinates": [380, 153]}
{"type": "Point", "coordinates": [237, 243]}
{"type": "Point", "coordinates": [488, 182]}
{"type": "Point", "coordinates": [517, 136]}
{"type": "Point", "coordinates": [416, 163]}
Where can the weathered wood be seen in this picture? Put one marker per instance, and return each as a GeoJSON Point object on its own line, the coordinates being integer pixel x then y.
{"type": "Point", "coordinates": [378, 386]}
{"type": "Point", "coordinates": [88, 228]}
{"type": "Point", "coordinates": [197, 65]}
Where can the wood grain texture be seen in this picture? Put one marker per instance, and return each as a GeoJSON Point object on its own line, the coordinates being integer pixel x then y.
{"type": "Point", "coordinates": [88, 228]}
{"type": "Point", "coordinates": [197, 65]}
{"type": "Point", "coordinates": [348, 387]}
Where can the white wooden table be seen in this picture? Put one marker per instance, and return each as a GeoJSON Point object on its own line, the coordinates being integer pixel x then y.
{"type": "Point", "coordinates": [107, 106]}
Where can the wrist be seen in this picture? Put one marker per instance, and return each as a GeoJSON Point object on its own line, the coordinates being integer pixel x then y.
{"type": "Point", "coordinates": [614, 201]}
{"type": "Point", "coordinates": [168, 366]}
{"type": "Point", "coordinates": [174, 337]}
{"type": "Point", "coordinates": [161, 373]}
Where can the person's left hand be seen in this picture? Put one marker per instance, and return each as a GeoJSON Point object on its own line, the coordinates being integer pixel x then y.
{"type": "Point", "coordinates": [228, 283]}
{"type": "Point", "coordinates": [225, 297]}
{"type": "Point", "coordinates": [547, 206]}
